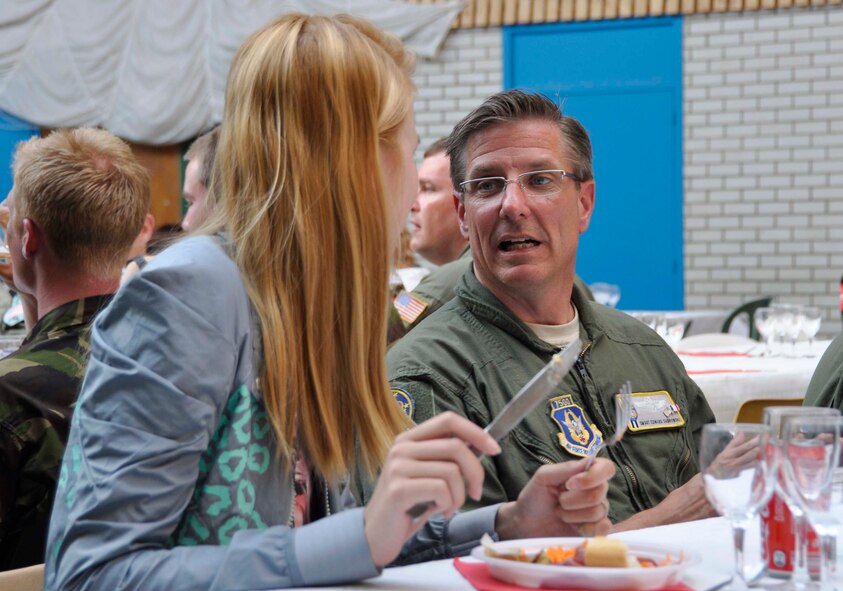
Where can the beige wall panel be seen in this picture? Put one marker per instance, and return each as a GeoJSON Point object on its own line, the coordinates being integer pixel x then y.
{"type": "Point", "coordinates": [164, 165]}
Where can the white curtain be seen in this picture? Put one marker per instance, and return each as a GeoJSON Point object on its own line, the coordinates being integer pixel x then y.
{"type": "Point", "coordinates": [154, 71]}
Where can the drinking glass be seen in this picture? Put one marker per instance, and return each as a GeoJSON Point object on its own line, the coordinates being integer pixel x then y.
{"type": "Point", "coordinates": [607, 294]}
{"type": "Point", "coordinates": [765, 319]}
{"type": "Point", "coordinates": [811, 324]}
{"type": "Point", "coordinates": [671, 329]}
{"type": "Point", "coordinates": [774, 416]}
{"type": "Point", "coordinates": [810, 458]}
{"type": "Point", "coordinates": [792, 320]}
{"type": "Point", "coordinates": [738, 468]}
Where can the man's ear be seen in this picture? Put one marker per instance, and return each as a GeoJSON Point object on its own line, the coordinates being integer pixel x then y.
{"type": "Point", "coordinates": [32, 238]}
{"type": "Point", "coordinates": [458, 203]}
{"type": "Point", "coordinates": [586, 204]}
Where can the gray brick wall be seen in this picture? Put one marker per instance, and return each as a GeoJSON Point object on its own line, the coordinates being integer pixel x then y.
{"type": "Point", "coordinates": [466, 71]}
{"type": "Point", "coordinates": [763, 158]}
{"type": "Point", "coordinates": [763, 148]}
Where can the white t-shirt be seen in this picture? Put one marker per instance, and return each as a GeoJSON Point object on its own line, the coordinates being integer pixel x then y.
{"type": "Point", "coordinates": [558, 335]}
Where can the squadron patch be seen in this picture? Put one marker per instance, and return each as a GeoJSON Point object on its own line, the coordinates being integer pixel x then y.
{"type": "Point", "coordinates": [654, 410]}
{"type": "Point", "coordinates": [576, 435]}
{"type": "Point", "coordinates": [405, 401]}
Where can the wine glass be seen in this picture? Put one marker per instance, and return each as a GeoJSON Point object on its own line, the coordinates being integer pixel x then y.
{"type": "Point", "coordinates": [607, 294]}
{"type": "Point", "coordinates": [810, 458]}
{"type": "Point", "coordinates": [671, 329]}
{"type": "Point", "coordinates": [765, 323]}
{"type": "Point", "coordinates": [792, 320]}
{"type": "Point", "coordinates": [774, 416]}
{"type": "Point", "coordinates": [811, 324]}
{"type": "Point", "coordinates": [738, 467]}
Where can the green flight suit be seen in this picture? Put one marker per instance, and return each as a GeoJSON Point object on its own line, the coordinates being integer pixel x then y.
{"type": "Point", "coordinates": [826, 387]}
{"type": "Point", "coordinates": [437, 288]}
{"type": "Point", "coordinates": [472, 355]}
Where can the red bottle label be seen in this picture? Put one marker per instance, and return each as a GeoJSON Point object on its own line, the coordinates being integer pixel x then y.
{"type": "Point", "coordinates": [779, 540]}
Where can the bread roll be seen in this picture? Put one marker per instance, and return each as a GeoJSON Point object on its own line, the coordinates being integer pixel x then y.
{"type": "Point", "coordinates": [601, 551]}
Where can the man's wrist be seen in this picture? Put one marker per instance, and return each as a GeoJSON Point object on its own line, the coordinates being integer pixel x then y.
{"type": "Point", "coordinates": [506, 521]}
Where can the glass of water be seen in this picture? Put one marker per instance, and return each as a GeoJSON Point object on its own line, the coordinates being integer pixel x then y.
{"type": "Point", "coordinates": [738, 466]}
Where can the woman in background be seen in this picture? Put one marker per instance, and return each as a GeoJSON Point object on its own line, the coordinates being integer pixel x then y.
{"type": "Point", "coordinates": [233, 379]}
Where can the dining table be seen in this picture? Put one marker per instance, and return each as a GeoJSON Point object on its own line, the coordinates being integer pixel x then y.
{"type": "Point", "coordinates": [729, 376]}
{"type": "Point", "coordinates": [709, 539]}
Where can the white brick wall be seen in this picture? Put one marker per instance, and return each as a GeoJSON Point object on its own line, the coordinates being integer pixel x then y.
{"type": "Point", "coordinates": [763, 135]}
{"type": "Point", "coordinates": [763, 148]}
{"type": "Point", "coordinates": [466, 71]}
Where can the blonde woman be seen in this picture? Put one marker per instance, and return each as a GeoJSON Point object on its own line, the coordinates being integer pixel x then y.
{"type": "Point", "coordinates": [232, 380]}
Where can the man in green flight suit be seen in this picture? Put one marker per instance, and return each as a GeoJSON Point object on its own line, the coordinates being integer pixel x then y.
{"type": "Point", "coordinates": [526, 193]}
{"type": "Point", "coordinates": [78, 201]}
{"type": "Point", "coordinates": [826, 387]}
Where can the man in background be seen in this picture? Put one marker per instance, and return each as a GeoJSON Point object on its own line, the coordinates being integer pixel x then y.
{"type": "Point", "coordinates": [434, 228]}
{"type": "Point", "coordinates": [197, 179]}
{"type": "Point", "coordinates": [78, 202]}
{"type": "Point", "coordinates": [200, 203]}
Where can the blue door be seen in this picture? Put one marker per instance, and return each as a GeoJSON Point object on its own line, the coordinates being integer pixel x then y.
{"type": "Point", "coordinates": [12, 131]}
{"type": "Point", "coordinates": [623, 81]}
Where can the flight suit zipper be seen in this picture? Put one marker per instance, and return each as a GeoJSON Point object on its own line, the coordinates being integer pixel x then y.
{"type": "Point", "coordinates": [686, 459]}
{"type": "Point", "coordinates": [636, 485]}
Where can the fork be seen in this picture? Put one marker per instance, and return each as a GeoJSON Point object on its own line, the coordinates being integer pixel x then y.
{"type": "Point", "coordinates": [623, 411]}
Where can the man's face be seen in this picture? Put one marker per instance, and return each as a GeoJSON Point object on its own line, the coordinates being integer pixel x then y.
{"type": "Point", "coordinates": [523, 246]}
{"type": "Point", "coordinates": [434, 228]}
{"type": "Point", "coordinates": [196, 194]}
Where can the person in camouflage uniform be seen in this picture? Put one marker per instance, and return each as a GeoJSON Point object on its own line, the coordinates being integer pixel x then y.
{"type": "Point", "coordinates": [78, 201]}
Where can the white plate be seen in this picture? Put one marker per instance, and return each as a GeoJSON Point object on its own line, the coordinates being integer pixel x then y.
{"type": "Point", "coordinates": [587, 577]}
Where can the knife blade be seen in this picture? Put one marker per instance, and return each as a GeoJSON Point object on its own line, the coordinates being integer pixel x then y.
{"type": "Point", "coordinates": [536, 390]}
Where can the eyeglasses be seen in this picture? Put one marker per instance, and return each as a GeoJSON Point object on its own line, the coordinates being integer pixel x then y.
{"type": "Point", "coordinates": [536, 183]}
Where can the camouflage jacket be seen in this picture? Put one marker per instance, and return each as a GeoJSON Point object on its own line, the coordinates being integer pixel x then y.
{"type": "Point", "coordinates": [38, 387]}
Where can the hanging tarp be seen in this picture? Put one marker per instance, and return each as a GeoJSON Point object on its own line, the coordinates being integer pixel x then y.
{"type": "Point", "coordinates": [154, 71]}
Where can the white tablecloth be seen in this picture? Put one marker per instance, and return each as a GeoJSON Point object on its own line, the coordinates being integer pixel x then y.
{"type": "Point", "coordinates": [710, 538]}
{"type": "Point", "coordinates": [729, 377]}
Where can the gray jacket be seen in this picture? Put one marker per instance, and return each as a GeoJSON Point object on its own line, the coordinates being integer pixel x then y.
{"type": "Point", "coordinates": [170, 479]}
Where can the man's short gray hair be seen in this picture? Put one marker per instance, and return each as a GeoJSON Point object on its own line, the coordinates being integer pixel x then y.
{"type": "Point", "coordinates": [517, 105]}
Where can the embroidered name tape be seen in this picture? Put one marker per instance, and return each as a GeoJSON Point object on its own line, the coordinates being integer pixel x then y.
{"type": "Point", "coordinates": [654, 410]}
{"type": "Point", "coordinates": [405, 401]}
{"type": "Point", "coordinates": [576, 435]}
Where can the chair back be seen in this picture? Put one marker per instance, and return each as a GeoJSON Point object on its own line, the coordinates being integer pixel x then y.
{"type": "Point", "coordinates": [752, 411]}
{"type": "Point", "coordinates": [749, 309]}
{"type": "Point", "coordinates": [30, 578]}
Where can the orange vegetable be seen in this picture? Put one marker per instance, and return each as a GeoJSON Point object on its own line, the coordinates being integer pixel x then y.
{"type": "Point", "coordinates": [559, 554]}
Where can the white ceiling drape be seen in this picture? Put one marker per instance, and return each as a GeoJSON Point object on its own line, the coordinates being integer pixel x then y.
{"type": "Point", "coordinates": [154, 71]}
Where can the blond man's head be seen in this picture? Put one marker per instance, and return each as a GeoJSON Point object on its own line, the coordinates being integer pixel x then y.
{"type": "Point", "coordinates": [87, 192]}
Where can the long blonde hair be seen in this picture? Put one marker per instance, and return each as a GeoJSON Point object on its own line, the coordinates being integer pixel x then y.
{"type": "Point", "coordinates": [310, 105]}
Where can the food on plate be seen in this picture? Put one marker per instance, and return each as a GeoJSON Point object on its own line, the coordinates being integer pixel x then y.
{"type": "Point", "coordinates": [594, 552]}
{"type": "Point", "coordinates": [609, 552]}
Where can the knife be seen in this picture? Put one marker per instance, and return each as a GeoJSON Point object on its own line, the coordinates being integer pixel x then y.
{"type": "Point", "coordinates": [536, 390]}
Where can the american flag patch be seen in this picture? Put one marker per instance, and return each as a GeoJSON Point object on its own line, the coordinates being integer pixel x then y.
{"type": "Point", "coordinates": [409, 307]}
